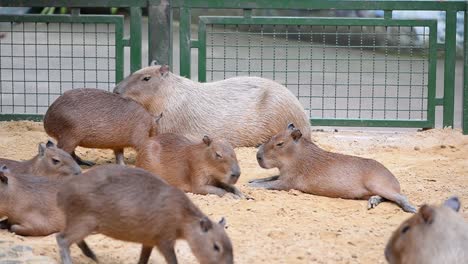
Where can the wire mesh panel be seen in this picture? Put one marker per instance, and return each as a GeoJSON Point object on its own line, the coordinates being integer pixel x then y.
{"type": "Point", "coordinates": [344, 72]}
{"type": "Point", "coordinates": [41, 57]}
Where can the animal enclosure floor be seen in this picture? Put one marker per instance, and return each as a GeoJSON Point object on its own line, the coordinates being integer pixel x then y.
{"type": "Point", "coordinates": [291, 227]}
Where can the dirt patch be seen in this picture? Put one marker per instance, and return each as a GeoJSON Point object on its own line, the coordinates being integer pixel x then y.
{"type": "Point", "coordinates": [291, 227]}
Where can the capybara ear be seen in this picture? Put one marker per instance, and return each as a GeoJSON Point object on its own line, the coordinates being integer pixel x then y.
{"type": "Point", "coordinates": [222, 222]}
{"type": "Point", "coordinates": [291, 126]}
{"type": "Point", "coordinates": [153, 63]}
{"type": "Point", "coordinates": [156, 119]}
{"type": "Point", "coordinates": [3, 177]}
{"type": "Point", "coordinates": [296, 134]}
{"type": "Point", "coordinates": [50, 144]}
{"type": "Point", "coordinates": [207, 140]}
{"type": "Point", "coordinates": [453, 202]}
{"type": "Point", "coordinates": [427, 213]}
{"type": "Point", "coordinates": [205, 224]}
{"type": "Point", "coordinates": [164, 69]}
{"type": "Point", "coordinates": [41, 149]}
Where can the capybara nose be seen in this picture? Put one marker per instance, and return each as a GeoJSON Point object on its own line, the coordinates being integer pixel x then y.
{"type": "Point", "coordinates": [235, 175]}
{"type": "Point", "coordinates": [259, 157]}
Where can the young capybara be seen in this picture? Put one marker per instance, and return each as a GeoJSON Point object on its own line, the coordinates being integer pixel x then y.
{"type": "Point", "coordinates": [30, 203]}
{"type": "Point", "coordinates": [50, 161]}
{"type": "Point", "coordinates": [144, 210]}
{"type": "Point", "coordinates": [204, 167]}
{"type": "Point", "coordinates": [94, 118]}
{"type": "Point", "coordinates": [434, 235]}
{"type": "Point", "coordinates": [306, 167]}
{"type": "Point", "coordinates": [222, 109]}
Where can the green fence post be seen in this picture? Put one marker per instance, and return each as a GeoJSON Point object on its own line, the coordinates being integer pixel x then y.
{"type": "Point", "coordinates": [465, 75]}
{"type": "Point", "coordinates": [184, 32]}
{"type": "Point", "coordinates": [135, 38]}
{"type": "Point", "coordinates": [449, 68]}
{"type": "Point", "coordinates": [160, 32]}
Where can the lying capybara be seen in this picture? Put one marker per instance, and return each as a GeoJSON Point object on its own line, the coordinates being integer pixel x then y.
{"type": "Point", "coordinates": [222, 109]}
{"type": "Point", "coordinates": [30, 203]}
{"type": "Point", "coordinates": [306, 167]}
{"type": "Point", "coordinates": [50, 161]}
{"type": "Point", "coordinates": [94, 118]}
{"type": "Point", "coordinates": [432, 236]}
{"type": "Point", "coordinates": [144, 210]}
{"type": "Point", "coordinates": [204, 167]}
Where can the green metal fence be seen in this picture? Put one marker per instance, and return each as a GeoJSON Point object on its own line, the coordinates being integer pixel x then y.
{"type": "Point", "coordinates": [338, 82]}
{"type": "Point", "coordinates": [42, 56]}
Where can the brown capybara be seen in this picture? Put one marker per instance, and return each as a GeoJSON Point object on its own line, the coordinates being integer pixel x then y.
{"type": "Point", "coordinates": [50, 161]}
{"type": "Point", "coordinates": [434, 235]}
{"type": "Point", "coordinates": [94, 118]}
{"type": "Point", "coordinates": [246, 111]}
{"type": "Point", "coordinates": [30, 203]}
{"type": "Point", "coordinates": [204, 167]}
{"type": "Point", "coordinates": [143, 210]}
{"type": "Point", "coordinates": [306, 167]}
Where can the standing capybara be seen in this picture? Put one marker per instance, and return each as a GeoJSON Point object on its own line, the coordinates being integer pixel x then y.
{"type": "Point", "coordinates": [144, 210]}
{"type": "Point", "coordinates": [203, 167]}
{"type": "Point", "coordinates": [50, 161]}
{"type": "Point", "coordinates": [94, 118]}
{"type": "Point", "coordinates": [30, 203]}
{"type": "Point", "coordinates": [434, 235]}
{"type": "Point", "coordinates": [246, 111]}
{"type": "Point", "coordinates": [306, 167]}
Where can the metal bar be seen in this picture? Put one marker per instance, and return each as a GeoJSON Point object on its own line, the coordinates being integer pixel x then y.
{"type": "Point", "coordinates": [60, 19]}
{"type": "Point", "coordinates": [321, 5]}
{"type": "Point", "coordinates": [135, 39]}
{"type": "Point", "coordinates": [74, 3]}
{"type": "Point", "coordinates": [201, 52]}
{"type": "Point", "coordinates": [369, 123]}
{"type": "Point", "coordinates": [449, 68]}
{"type": "Point", "coordinates": [184, 31]}
{"type": "Point", "coordinates": [432, 76]}
{"type": "Point", "coordinates": [119, 51]}
{"type": "Point", "coordinates": [465, 75]}
{"type": "Point", "coordinates": [16, 117]}
{"type": "Point", "coordinates": [160, 33]}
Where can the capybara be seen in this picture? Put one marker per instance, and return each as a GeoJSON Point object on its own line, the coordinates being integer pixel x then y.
{"type": "Point", "coordinates": [94, 118]}
{"type": "Point", "coordinates": [204, 167]}
{"type": "Point", "coordinates": [30, 203]}
{"type": "Point", "coordinates": [134, 205]}
{"type": "Point", "coordinates": [50, 161]}
{"type": "Point", "coordinates": [246, 111]}
{"type": "Point", "coordinates": [306, 167]}
{"type": "Point", "coordinates": [434, 235]}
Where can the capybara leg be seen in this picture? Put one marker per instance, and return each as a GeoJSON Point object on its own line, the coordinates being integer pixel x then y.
{"type": "Point", "coordinates": [234, 190]}
{"type": "Point", "coordinates": [86, 250]}
{"type": "Point", "coordinates": [374, 201]}
{"type": "Point", "coordinates": [64, 248]}
{"type": "Point", "coordinates": [210, 189]}
{"type": "Point", "coordinates": [23, 230]}
{"type": "Point", "coordinates": [145, 254]}
{"type": "Point", "coordinates": [4, 224]}
{"type": "Point", "coordinates": [272, 178]}
{"type": "Point", "coordinates": [272, 185]}
{"type": "Point", "coordinates": [167, 250]}
{"type": "Point", "coordinates": [403, 202]}
{"type": "Point", "coordinates": [81, 161]}
{"type": "Point", "coordinates": [119, 156]}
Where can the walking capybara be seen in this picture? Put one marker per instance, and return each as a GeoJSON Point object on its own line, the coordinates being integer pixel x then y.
{"type": "Point", "coordinates": [434, 235]}
{"type": "Point", "coordinates": [30, 203]}
{"type": "Point", "coordinates": [134, 205]}
{"type": "Point", "coordinates": [50, 161]}
{"type": "Point", "coordinates": [204, 167]}
{"type": "Point", "coordinates": [246, 111]}
{"type": "Point", "coordinates": [94, 118]}
{"type": "Point", "coordinates": [306, 167]}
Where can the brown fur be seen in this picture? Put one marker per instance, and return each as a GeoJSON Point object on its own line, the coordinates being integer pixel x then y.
{"type": "Point", "coordinates": [432, 236]}
{"type": "Point", "coordinates": [50, 161]}
{"type": "Point", "coordinates": [203, 167]}
{"type": "Point", "coordinates": [134, 205]}
{"type": "Point", "coordinates": [93, 118]}
{"type": "Point", "coordinates": [306, 167]}
{"type": "Point", "coordinates": [246, 111]}
{"type": "Point", "coordinates": [30, 203]}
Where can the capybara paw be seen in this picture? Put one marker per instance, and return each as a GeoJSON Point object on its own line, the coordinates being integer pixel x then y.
{"type": "Point", "coordinates": [374, 201]}
{"type": "Point", "coordinates": [254, 181]}
{"type": "Point", "coordinates": [232, 196]}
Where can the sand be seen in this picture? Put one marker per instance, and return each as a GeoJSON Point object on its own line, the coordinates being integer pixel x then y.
{"type": "Point", "coordinates": [291, 227]}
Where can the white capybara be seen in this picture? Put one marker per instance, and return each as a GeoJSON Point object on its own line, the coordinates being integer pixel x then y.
{"type": "Point", "coordinates": [246, 111]}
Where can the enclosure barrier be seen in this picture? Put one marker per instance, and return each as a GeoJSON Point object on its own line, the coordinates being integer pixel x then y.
{"type": "Point", "coordinates": [345, 71]}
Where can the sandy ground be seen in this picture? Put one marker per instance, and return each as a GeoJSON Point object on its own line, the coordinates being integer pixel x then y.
{"type": "Point", "coordinates": [292, 227]}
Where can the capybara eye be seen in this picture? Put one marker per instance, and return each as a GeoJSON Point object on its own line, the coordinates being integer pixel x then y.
{"type": "Point", "coordinates": [280, 144]}
{"type": "Point", "coordinates": [405, 229]}
{"type": "Point", "coordinates": [216, 247]}
{"type": "Point", "coordinates": [146, 78]}
{"type": "Point", "coordinates": [218, 156]}
{"type": "Point", "coordinates": [55, 161]}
